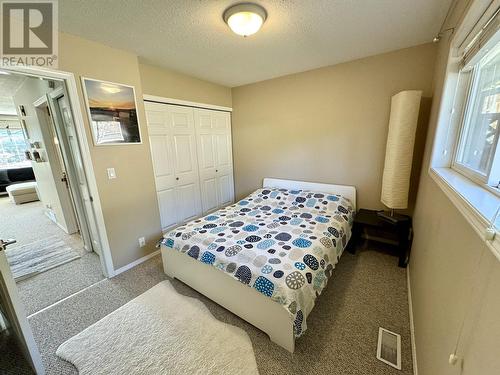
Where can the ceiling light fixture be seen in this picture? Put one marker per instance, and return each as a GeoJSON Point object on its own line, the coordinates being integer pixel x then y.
{"type": "Point", "coordinates": [245, 19]}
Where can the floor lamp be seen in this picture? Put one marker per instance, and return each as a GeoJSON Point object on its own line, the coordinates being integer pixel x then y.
{"type": "Point", "coordinates": [399, 153]}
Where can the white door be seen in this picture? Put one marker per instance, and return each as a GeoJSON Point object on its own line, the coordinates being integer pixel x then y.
{"type": "Point", "coordinates": [161, 151]}
{"type": "Point", "coordinates": [161, 143]}
{"type": "Point", "coordinates": [62, 114]}
{"type": "Point", "coordinates": [206, 159]}
{"type": "Point", "coordinates": [225, 189]}
{"type": "Point", "coordinates": [209, 196]}
{"type": "Point", "coordinates": [221, 121]}
{"type": "Point", "coordinates": [15, 314]}
{"type": "Point", "coordinates": [224, 157]}
{"type": "Point", "coordinates": [167, 203]}
{"type": "Point", "coordinates": [181, 122]}
{"type": "Point", "coordinates": [224, 151]}
{"type": "Point", "coordinates": [175, 164]}
{"type": "Point", "coordinates": [186, 176]}
{"type": "Point", "coordinates": [64, 214]}
{"type": "Point", "coordinates": [213, 133]}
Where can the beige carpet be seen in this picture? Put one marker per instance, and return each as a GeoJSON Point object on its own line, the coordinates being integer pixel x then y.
{"type": "Point", "coordinates": [367, 290]}
{"type": "Point", "coordinates": [160, 332]}
{"type": "Point", "coordinates": [28, 224]}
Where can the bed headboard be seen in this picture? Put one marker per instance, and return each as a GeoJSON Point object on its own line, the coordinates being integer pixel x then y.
{"type": "Point", "coordinates": [345, 190]}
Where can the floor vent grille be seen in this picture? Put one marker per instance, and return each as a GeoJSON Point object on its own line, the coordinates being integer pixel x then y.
{"type": "Point", "coordinates": [389, 348]}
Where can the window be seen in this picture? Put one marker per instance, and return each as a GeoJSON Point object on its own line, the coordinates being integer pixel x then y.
{"type": "Point", "coordinates": [477, 155]}
{"type": "Point", "coordinates": [465, 162]}
{"type": "Point", "coordinates": [12, 148]}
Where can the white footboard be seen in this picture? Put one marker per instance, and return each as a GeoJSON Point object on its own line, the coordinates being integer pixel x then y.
{"type": "Point", "coordinates": [247, 303]}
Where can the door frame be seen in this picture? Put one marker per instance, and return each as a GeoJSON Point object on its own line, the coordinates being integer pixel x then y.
{"type": "Point", "coordinates": [185, 103]}
{"type": "Point", "coordinates": [41, 106]}
{"type": "Point", "coordinates": [74, 100]}
{"type": "Point", "coordinates": [74, 201]}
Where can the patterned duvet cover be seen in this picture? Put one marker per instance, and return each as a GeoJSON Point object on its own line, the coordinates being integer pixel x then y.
{"type": "Point", "coordinates": [283, 243]}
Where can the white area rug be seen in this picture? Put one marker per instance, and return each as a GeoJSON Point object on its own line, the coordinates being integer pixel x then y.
{"type": "Point", "coordinates": [160, 332]}
{"type": "Point", "coordinates": [39, 256]}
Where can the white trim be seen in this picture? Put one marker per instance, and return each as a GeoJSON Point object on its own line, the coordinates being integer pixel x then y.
{"type": "Point", "coordinates": [412, 325]}
{"type": "Point", "coordinates": [346, 191]}
{"type": "Point", "coordinates": [136, 262]}
{"type": "Point", "coordinates": [475, 177]}
{"type": "Point", "coordinates": [475, 203]}
{"type": "Point", "coordinates": [40, 101]}
{"type": "Point", "coordinates": [89, 114]}
{"type": "Point", "coordinates": [4, 117]}
{"type": "Point", "coordinates": [74, 99]}
{"type": "Point", "coordinates": [65, 298]}
{"type": "Point", "coordinates": [57, 92]}
{"type": "Point", "coordinates": [161, 99]}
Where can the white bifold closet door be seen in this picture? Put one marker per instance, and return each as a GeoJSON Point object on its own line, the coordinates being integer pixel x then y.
{"type": "Point", "coordinates": [175, 163]}
{"type": "Point", "coordinates": [215, 160]}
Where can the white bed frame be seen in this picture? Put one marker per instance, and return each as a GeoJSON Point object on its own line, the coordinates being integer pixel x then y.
{"type": "Point", "coordinates": [247, 303]}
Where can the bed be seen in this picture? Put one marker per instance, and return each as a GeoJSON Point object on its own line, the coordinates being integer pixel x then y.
{"type": "Point", "coordinates": [267, 257]}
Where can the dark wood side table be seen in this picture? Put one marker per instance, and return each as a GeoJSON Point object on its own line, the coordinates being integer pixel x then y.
{"type": "Point", "coordinates": [398, 233]}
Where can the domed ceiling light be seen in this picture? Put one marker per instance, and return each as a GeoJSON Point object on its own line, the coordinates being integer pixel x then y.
{"type": "Point", "coordinates": [245, 19]}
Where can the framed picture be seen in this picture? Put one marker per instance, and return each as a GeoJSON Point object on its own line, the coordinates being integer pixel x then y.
{"type": "Point", "coordinates": [112, 110]}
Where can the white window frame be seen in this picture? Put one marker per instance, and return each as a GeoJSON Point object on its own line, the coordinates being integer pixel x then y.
{"type": "Point", "coordinates": [488, 180]}
{"type": "Point", "coordinates": [470, 193]}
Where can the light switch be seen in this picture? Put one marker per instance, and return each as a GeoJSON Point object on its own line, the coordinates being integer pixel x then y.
{"type": "Point", "coordinates": [111, 173]}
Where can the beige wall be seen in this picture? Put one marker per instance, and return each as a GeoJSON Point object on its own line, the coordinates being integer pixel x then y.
{"type": "Point", "coordinates": [129, 202]}
{"type": "Point", "coordinates": [451, 272]}
{"type": "Point", "coordinates": [167, 83]}
{"type": "Point", "coordinates": [326, 125]}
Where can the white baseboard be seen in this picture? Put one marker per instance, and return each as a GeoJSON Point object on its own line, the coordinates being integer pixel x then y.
{"type": "Point", "coordinates": [135, 263]}
{"type": "Point", "coordinates": [412, 327]}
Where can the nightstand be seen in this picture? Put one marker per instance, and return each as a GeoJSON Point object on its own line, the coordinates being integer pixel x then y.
{"type": "Point", "coordinates": [374, 228]}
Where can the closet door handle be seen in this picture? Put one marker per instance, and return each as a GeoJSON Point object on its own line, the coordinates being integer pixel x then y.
{"type": "Point", "coordinates": [177, 178]}
{"type": "Point", "coordinates": [216, 170]}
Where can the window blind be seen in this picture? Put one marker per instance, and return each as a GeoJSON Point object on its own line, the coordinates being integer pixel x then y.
{"type": "Point", "coordinates": [472, 47]}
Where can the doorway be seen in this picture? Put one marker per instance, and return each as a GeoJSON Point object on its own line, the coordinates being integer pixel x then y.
{"type": "Point", "coordinates": [43, 210]}
{"type": "Point", "coordinates": [46, 204]}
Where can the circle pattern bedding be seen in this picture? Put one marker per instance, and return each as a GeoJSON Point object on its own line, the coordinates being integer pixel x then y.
{"type": "Point", "coordinates": [283, 243]}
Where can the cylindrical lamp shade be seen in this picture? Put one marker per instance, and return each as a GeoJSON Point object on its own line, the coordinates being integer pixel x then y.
{"type": "Point", "coordinates": [399, 150]}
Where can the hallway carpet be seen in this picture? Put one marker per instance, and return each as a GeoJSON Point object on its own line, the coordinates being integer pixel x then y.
{"type": "Point", "coordinates": [27, 223]}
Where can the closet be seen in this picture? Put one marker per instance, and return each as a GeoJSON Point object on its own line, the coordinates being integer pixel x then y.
{"type": "Point", "coordinates": [192, 160]}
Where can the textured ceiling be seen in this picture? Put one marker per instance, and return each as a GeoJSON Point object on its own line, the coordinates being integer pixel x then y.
{"type": "Point", "coordinates": [9, 83]}
{"type": "Point", "coordinates": [190, 36]}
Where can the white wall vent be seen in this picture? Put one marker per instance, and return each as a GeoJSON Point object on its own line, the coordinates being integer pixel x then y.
{"type": "Point", "coordinates": [389, 348]}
